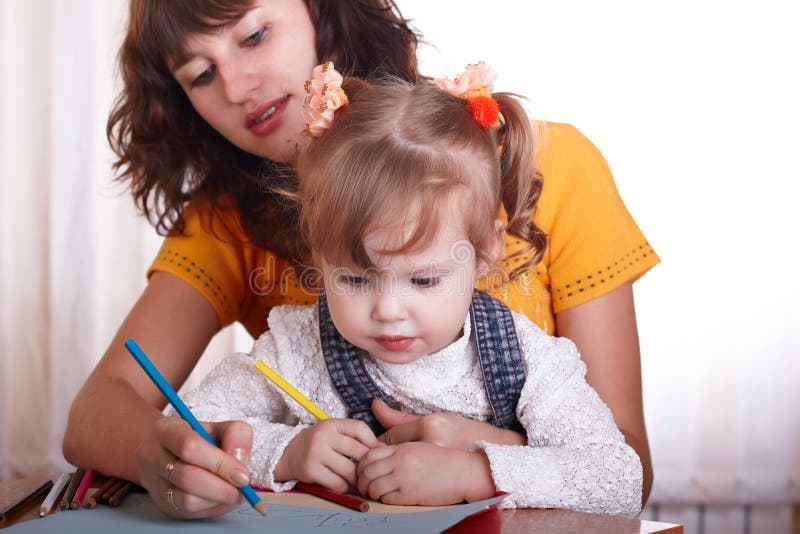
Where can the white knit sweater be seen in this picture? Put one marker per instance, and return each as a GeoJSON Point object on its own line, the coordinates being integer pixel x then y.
{"type": "Point", "coordinates": [575, 457]}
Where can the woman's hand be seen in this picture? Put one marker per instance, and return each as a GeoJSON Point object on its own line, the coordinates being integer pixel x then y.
{"type": "Point", "coordinates": [443, 429]}
{"type": "Point", "coordinates": [424, 474]}
{"type": "Point", "coordinates": [189, 478]}
{"type": "Point", "coordinates": [322, 453]}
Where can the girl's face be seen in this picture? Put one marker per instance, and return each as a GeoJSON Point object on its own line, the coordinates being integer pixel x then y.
{"type": "Point", "coordinates": [246, 80]}
{"type": "Point", "coordinates": [410, 305]}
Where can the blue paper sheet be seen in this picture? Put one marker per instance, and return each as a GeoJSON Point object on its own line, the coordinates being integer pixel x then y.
{"type": "Point", "coordinates": [138, 515]}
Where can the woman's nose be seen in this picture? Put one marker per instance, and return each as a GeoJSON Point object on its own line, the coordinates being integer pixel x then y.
{"type": "Point", "coordinates": [240, 80]}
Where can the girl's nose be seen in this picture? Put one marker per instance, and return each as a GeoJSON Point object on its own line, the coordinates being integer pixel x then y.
{"type": "Point", "coordinates": [388, 307]}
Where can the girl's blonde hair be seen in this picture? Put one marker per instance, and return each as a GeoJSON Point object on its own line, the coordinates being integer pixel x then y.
{"type": "Point", "coordinates": [400, 150]}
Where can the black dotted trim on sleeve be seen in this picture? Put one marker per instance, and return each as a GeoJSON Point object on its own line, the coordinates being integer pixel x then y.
{"type": "Point", "coordinates": [601, 276]}
{"type": "Point", "coordinates": [201, 276]}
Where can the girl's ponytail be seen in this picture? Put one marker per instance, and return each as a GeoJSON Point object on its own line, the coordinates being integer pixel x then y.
{"type": "Point", "coordinates": [520, 182]}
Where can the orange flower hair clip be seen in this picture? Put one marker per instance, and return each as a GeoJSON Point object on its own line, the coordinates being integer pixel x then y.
{"type": "Point", "coordinates": [475, 86]}
{"type": "Point", "coordinates": [324, 95]}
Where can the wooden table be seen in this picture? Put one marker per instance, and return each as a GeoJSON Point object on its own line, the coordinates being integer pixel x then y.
{"type": "Point", "coordinates": [499, 521]}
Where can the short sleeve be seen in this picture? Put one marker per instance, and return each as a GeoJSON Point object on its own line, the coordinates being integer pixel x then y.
{"type": "Point", "coordinates": [209, 258]}
{"type": "Point", "coordinates": [594, 244]}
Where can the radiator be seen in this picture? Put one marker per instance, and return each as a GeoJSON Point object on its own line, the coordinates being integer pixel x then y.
{"type": "Point", "coordinates": [738, 519]}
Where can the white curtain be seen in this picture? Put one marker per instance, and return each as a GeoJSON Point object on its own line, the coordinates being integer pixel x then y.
{"type": "Point", "coordinates": [693, 103]}
{"type": "Point", "coordinates": [74, 251]}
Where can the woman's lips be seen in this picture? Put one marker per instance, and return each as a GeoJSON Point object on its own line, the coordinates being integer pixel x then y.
{"type": "Point", "coordinates": [394, 343]}
{"type": "Point", "coordinates": [266, 117]}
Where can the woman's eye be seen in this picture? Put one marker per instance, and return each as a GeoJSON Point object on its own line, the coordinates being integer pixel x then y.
{"type": "Point", "coordinates": [204, 77]}
{"type": "Point", "coordinates": [425, 281]}
{"type": "Point", "coordinates": [255, 37]}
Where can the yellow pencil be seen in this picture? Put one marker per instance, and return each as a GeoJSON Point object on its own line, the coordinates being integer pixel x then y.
{"type": "Point", "coordinates": [290, 390]}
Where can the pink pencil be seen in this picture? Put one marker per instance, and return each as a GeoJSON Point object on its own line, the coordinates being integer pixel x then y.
{"type": "Point", "coordinates": [80, 495]}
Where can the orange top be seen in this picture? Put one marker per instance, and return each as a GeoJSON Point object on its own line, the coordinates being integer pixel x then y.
{"type": "Point", "coordinates": [594, 246]}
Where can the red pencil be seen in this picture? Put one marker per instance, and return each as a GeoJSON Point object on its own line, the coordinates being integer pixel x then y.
{"type": "Point", "coordinates": [348, 501]}
{"type": "Point", "coordinates": [83, 487]}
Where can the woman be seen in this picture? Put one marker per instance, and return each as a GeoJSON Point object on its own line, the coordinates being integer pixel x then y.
{"type": "Point", "coordinates": [212, 92]}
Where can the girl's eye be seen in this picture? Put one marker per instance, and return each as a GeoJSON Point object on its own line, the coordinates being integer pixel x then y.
{"type": "Point", "coordinates": [425, 281]}
{"type": "Point", "coordinates": [354, 280]}
{"type": "Point", "coordinates": [204, 77]}
{"type": "Point", "coordinates": [255, 37]}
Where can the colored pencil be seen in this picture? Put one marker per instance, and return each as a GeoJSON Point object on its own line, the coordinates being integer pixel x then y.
{"type": "Point", "coordinates": [24, 501]}
{"type": "Point", "coordinates": [83, 487]}
{"type": "Point", "coordinates": [116, 499]}
{"type": "Point", "coordinates": [55, 493]}
{"type": "Point", "coordinates": [349, 501]}
{"type": "Point", "coordinates": [112, 490]}
{"type": "Point", "coordinates": [92, 501]}
{"type": "Point", "coordinates": [163, 386]}
{"type": "Point", "coordinates": [290, 390]}
{"type": "Point", "coordinates": [66, 500]}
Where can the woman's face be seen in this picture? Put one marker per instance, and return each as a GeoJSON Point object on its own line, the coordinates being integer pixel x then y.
{"type": "Point", "coordinates": [246, 80]}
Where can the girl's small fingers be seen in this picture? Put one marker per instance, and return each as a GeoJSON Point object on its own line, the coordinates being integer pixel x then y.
{"type": "Point", "coordinates": [349, 447]}
{"type": "Point", "coordinates": [358, 430]}
{"type": "Point", "coordinates": [394, 497]}
{"type": "Point", "coordinates": [401, 433]}
{"type": "Point", "coordinates": [344, 467]}
{"type": "Point", "coordinates": [375, 455]}
{"type": "Point", "coordinates": [367, 474]}
{"type": "Point", "coordinates": [331, 480]}
{"type": "Point", "coordinates": [381, 486]}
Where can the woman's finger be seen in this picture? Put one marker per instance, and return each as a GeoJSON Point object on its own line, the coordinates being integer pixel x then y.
{"type": "Point", "coordinates": [193, 480]}
{"type": "Point", "coordinates": [235, 438]}
{"type": "Point", "coordinates": [190, 448]}
{"type": "Point", "coordinates": [177, 503]}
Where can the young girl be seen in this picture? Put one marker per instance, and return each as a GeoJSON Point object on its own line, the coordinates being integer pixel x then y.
{"type": "Point", "coordinates": [401, 189]}
{"type": "Point", "coordinates": [210, 99]}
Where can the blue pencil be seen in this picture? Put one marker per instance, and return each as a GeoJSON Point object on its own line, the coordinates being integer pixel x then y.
{"type": "Point", "coordinates": [163, 386]}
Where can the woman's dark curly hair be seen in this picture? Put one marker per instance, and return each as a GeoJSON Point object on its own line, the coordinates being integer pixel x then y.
{"type": "Point", "coordinates": [169, 155]}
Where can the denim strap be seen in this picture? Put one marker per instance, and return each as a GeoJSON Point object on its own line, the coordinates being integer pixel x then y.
{"type": "Point", "coordinates": [498, 352]}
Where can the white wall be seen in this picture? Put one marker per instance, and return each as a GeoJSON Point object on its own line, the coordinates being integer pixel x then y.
{"type": "Point", "coordinates": [695, 106]}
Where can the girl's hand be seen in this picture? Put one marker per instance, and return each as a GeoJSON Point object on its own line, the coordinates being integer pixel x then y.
{"type": "Point", "coordinates": [322, 453]}
{"type": "Point", "coordinates": [443, 429]}
{"type": "Point", "coordinates": [189, 478]}
{"type": "Point", "coordinates": [424, 474]}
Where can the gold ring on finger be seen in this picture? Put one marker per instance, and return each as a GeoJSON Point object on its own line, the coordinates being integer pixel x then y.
{"type": "Point", "coordinates": [167, 471]}
{"type": "Point", "coordinates": [170, 493]}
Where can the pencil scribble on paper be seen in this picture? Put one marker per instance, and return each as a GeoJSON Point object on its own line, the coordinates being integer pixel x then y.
{"type": "Point", "coordinates": [322, 518]}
